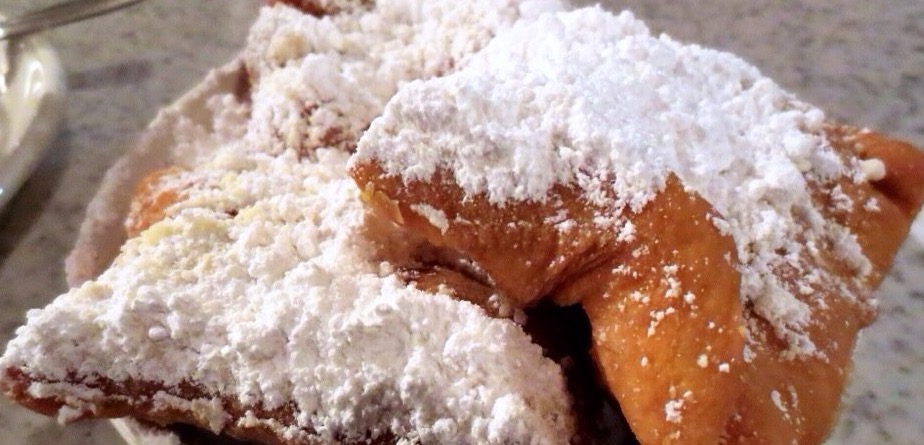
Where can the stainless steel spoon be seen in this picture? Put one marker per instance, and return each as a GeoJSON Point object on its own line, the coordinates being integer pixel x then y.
{"type": "Point", "coordinates": [57, 15]}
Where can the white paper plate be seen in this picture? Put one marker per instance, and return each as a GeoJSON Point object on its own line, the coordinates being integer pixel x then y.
{"type": "Point", "coordinates": [31, 109]}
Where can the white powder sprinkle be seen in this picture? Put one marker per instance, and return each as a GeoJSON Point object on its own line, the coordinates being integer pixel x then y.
{"type": "Point", "coordinates": [67, 414]}
{"type": "Point", "coordinates": [626, 232]}
{"type": "Point", "coordinates": [158, 333]}
{"type": "Point", "coordinates": [872, 169]}
{"type": "Point", "coordinates": [672, 411]}
{"type": "Point", "coordinates": [871, 205]}
{"type": "Point", "coordinates": [593, 100]}
{"type": "Point", "coordinates": [778, 401]}
{"type": "Point", "coordinates": [434, 216]}
{"type": "Point", "coordinates": [284, 304]}
{"type": "Point", "coordinates": [320, 81]}
{"type": "Point", "coordinates": [748, 354]}
{"type": "Point", "coordinates": [281, 300]}
{"type": "Point", "coordinates": [702, 361]}
{"type": "Point", "coordinates": [840, 201]}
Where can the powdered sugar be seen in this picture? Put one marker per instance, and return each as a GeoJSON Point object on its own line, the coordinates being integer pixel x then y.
{"type": "Point", "coordinates": [593, 100]}
{"type": "Point", "coordinates": [321, 80]}
{"type": "Point", "coordinates": [259, 285]}
{"type": "Point", "coordinates": [434, 216]}
{"type": "Point", "coordinates": [283, 302]}
{"type": "Point", "coordinates": [673, 408]}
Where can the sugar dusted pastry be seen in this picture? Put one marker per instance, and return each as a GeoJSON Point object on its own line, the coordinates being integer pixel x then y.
{"type": "Point", "coordinates": [321, 80]}
{"type": "Point", "coordinates": [722, 238]}
{"type": "Point", "coordinates": [278, 323]}
{"type": "Point", "coordinates": [250, 301]}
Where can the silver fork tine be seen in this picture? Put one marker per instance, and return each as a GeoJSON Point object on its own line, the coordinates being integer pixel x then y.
{"type": "Point", "coordinates": [60, 14]}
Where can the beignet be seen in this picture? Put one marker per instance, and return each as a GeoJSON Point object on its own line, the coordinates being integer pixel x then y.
{"type": "Point", "coordinates": [722, 238]}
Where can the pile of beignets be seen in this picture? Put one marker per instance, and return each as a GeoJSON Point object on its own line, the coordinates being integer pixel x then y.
{"type": "Point", "coordinates": [411, 221]}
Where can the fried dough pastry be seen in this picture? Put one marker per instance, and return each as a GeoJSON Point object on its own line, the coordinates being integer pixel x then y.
{"type": "Point", "coordinates": [319, 81]}
{"type": "Point", "coordinates": [279, 325]}
{"type": "Point", "coordinates": [723, 241]}
{"type": "Point", "coordinates": [521, 253]}
{"type": "Point", "coordinates": [720, 239]}
{"type": "Point", "coordinates": [249, 300]}
{"type": "Point", "coordinates": [805, 391]}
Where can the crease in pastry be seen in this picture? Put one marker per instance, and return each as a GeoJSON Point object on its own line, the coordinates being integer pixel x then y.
{"type": "Point", "coordinates": [734, 239]}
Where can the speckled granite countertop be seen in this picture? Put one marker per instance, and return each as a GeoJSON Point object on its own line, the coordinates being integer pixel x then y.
{"type": "Point", "coordinates": [861, 61]}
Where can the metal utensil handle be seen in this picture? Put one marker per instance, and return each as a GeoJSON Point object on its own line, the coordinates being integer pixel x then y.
{"type": "Point", "coordinates": [60, 14]}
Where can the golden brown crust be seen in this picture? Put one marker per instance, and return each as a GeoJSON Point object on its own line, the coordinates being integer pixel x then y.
{"type": "Point", "coordinates": [654, 365]}
{"type": "Point", "coordinates": [138, 399]}
{"type": "Point", "coordinates": [773, 394]}
{"type": "Point", "coordinates": [530, 267]}
{"type": "Point", "coordinates": [809, 388]}
{"type": "Point", "coordinates": [528, 259]}
{"type": "Point", "coordinates": [899, 195]}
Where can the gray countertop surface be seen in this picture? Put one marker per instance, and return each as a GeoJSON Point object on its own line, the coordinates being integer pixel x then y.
{"type": "Point", "coordinates": [862, 62]}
